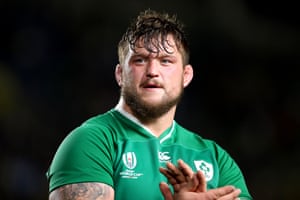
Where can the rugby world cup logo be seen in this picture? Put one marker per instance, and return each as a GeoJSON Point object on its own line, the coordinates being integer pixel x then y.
{"type": "Point", "coordinates": [129, 159]}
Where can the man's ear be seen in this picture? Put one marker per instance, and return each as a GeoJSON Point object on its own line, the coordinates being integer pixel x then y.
{"type": "Point", "coordinates": [188, 74]}
{"type": "Point", "coordinates": [118, 74]}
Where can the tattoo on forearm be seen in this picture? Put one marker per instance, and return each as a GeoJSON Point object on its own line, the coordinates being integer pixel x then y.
{"type": "Point", "coordinates": [95, 191]}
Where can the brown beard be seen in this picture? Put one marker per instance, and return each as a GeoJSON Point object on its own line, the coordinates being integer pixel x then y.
{"type": "Point", "coordinates": [146, 112]}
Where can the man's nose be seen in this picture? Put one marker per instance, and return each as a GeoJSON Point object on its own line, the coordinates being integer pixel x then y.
{"type": "Point", "coordinates": [152, 68]}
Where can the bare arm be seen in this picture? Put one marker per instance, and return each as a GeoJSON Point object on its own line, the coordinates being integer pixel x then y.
{"type": "Point", "coordinates": [83, 191]}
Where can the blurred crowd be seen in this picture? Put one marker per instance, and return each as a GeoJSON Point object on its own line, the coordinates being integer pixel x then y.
{"type": "Point", "coordinates": [57, 64]}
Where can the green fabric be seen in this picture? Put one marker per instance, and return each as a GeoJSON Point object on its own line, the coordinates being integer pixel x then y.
{"type": "Point", "coordinates": [112, 149]}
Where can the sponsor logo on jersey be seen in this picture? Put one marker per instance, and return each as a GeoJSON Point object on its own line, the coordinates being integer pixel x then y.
{"type": "Point", "coordinates": [164, 156]}
{"type": "Point", "coordinates": [206, 168]}
{"type": "Point", "coordinates": [130, 162]}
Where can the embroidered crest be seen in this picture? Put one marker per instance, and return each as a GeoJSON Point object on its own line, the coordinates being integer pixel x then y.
{"type": "Point", "coordinates": [206, 168]}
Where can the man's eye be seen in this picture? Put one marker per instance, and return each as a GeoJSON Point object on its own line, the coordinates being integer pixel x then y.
{"type": "Point", "coordinates": [166, 61]}
{"type": "Point", "coordinates": [139, 60]}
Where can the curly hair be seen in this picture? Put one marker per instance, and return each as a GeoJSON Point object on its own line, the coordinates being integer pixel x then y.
{"type": "Point", "coordinates": [152, 28]}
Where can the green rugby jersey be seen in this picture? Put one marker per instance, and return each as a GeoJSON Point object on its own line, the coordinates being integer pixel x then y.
{"type": "Point", "coordinates": [113, 149]}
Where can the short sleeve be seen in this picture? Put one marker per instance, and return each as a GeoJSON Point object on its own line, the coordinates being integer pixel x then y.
{"type": "Point", "coordinates": [85, 155]}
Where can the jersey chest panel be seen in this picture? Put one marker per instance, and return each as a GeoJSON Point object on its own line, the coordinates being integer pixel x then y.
{"type": "Point", "coordinates": [136, 167]}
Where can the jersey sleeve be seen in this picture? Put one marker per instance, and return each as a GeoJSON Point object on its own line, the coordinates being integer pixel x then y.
{"type": "Point", "coordinates": [85, 155]}
{"type": "Point", "coordinates": [230, 173]}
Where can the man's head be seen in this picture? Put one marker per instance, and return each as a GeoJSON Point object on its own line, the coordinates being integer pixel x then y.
{"type": "Point", "coordinates": [152, 28]}
{"type": "Point", "coordinates": [153, 68]}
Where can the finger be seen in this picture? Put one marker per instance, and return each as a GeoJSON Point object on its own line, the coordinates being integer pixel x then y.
{"type": "Point", "coordinates": [165, 190]}
{"type": "Point", "coordinates": [168, 175]}
{"type": "Point", "coordinates": [226, 192]}
{"type": "Point", "coordinates": [175, 172]}
{"type": "Point", "coordinates": [232, 195]}
{"type": "Point", "coordinates": [197, 183]}
{"type": "Point", "coordinates": [189, 185]}
{"type": "Point", "coordinates": [193, 183]}
{"type": "Point", "coordinates": [201, 187]}
{"type": "Point", "coordinates": [185, 168]}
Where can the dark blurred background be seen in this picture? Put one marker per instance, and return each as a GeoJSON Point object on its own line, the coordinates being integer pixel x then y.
{"type": "Point", "coordinates": [57, 62]}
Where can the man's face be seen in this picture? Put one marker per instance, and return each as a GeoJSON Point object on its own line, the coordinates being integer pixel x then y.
{"type": "Point", "coordinates": [152, 83]}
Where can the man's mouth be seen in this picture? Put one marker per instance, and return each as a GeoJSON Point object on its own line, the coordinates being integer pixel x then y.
{"type": "Point", "coordinates": [151, 85]}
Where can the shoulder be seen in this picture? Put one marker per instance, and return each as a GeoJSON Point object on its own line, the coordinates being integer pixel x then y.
{"type": "Point", "coordinates": [191, 135]}
{"type": "Point", "coordinates": [196, 139]}
{"type": "Point", "coordinates": [95, 133]}
{"type": "Point", "coordinates": [96, 127]}
{"type": "Point", "coordinates": [105, 120]}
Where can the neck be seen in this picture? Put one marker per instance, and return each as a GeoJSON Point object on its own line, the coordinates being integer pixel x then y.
{"type": "Point", "coordinates": [156, 125]}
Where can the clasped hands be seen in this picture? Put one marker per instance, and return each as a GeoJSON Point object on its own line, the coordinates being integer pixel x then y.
{"type": "Point", "coordinates": [189, 185]}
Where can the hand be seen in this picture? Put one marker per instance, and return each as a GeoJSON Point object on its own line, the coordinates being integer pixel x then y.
{"type": "Point", "coordinates": [188, 185]}
{"type": "Point", "coordinates": [183, 177]}
{"type": "Point", "coordinates": [223, 193]}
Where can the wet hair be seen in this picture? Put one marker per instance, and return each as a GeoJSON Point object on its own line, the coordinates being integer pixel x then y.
{"type": "Point", "coordinates": [151, 29]}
